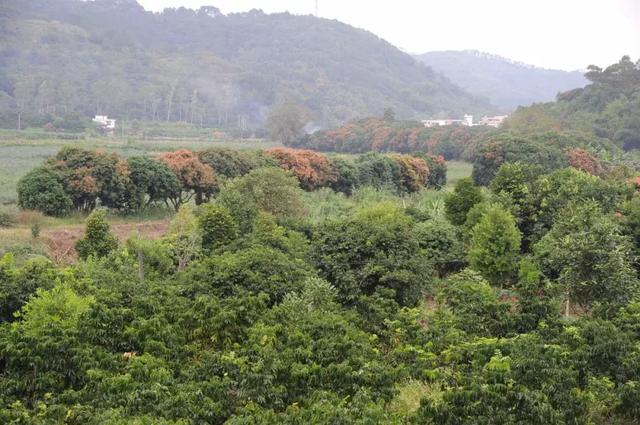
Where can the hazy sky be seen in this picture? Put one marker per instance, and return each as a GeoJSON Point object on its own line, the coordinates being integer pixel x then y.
{"type": "Point", "coordinates": [563, 34]}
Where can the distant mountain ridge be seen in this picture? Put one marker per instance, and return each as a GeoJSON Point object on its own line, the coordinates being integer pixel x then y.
{"type": "Point", "coordinates": [505, 82]}
{"type": "Point", "coordinates": [112, 57]}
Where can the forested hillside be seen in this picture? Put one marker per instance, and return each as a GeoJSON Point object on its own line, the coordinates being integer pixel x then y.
{"type": "Point", "coordinates": [609, 107]}
{"type": "Point", "coordinates": [505, 83]}
{"type": "Point", "coordinates": [65, 60]}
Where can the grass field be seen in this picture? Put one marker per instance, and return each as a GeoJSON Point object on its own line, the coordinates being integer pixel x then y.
{"type": "Point", "coordinates": [457, 170]}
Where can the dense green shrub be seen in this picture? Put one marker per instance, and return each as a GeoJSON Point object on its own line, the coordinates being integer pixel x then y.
{"type": "Point", "coordinates": [495, 246]}
{"type": "Point", "coordinates": [228, 163]}
{"type": "Point", "coordinates": [464, 197]}
{"type": "Point", "coordinates": [217, 226]}
{"type": "Point", "coordinates": [42, 189]}
{"type": "Point", "coordinates": [98, 241]}
{"type": "Point", "coordinates": [441, 243]}
{"type": "Point", "coordinates": [374, 248]}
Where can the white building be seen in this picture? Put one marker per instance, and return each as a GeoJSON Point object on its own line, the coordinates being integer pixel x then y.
{"type": "Point", "coordinates": [441, 123]}
{"type": "Point", "coordinates": [105, 123]}
{"type": "Point", "coordinates": [493, 121]}
{"type": "Point", "coordinates": [467, 121]}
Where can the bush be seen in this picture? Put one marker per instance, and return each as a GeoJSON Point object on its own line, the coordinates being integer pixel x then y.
{"type": "Point", "coordinates": [464, 197]}
{"type": "Point", "coordinates": [217, 226]}
{"type": "Point", "coordinates": [268, 189]}
{"type": "Point", "coordinates": [441, 243]}
{"type": "Point", "coordinates": [495, 246]}
{"type": "Point", "coordinates": [375, 248]}
{"type": "Point", "coordinates": [41, 189]}
{"type": "Point", "coordinates": [7, 219]}
{"type": "Point", "coordinates": [228, 163]}
{"type": "Point", "coordinates": [98, 240]}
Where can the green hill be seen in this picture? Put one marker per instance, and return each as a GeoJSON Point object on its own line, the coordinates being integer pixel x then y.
{"type": "Point", "coordinates": [69, 58]}
{"type": "Point", "coordinates": [507, 84]}
{"type": "Point", "coordinates": [609, 107]}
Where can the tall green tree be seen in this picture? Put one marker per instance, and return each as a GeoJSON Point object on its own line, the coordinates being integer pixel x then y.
{"type": "Point", "coordinates": [495, 246]}
{"type": "Point", "coordinates": [587, 256]}
{"type": "Point", "coordinates": [457, 204]}
{"type": "Point", "coordinates": [98, 241]}
{"type": "Point", "coordinates": [286, 123]}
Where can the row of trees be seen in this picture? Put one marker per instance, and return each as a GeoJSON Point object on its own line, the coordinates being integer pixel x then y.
{"type": "Point", "coordinates": [78, 179]}
{"type": "Point", "coordinates": [389, 135]}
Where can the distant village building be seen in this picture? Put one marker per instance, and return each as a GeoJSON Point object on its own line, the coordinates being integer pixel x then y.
{"type": "Point", "coordinates": [441, 123]}
{"type": "Point", "coordinates": [467, 121]}
{"type": "Point", "coordinates": [493, 121]}
{"type": "Point", "coordinates": [104, 123]}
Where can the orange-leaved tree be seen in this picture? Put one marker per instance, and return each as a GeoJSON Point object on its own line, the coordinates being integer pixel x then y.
{"type": "Point", "coordinates": [584, 161]}
{"type": "Point", "coordinates": [311, 168]}
{"type": "Point", "coordinates": [414, 172]}
{"type": "Point", "coordinates": [196, 178]}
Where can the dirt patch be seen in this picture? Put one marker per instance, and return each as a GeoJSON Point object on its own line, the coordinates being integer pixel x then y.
{"type": "Point", "coordinates": [62, 241]}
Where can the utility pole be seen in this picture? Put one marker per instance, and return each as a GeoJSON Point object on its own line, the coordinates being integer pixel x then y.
{"type": "Point", "coordinates": [317, 9]}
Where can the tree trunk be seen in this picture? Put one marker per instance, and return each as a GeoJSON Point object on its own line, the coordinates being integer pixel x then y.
{"type": "Point", "coordinates": [567, 308]}
{"type": "Point", "coordinates": [20, 120]}
{"type": "Point", "coordinates": [182, 264]}
{"type": "Point", "coordinates": [141, 265]}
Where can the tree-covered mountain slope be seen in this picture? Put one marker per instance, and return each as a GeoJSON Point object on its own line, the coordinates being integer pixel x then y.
{"type": "Point", "coordinates": [66, 57]}
{"type": "Point", "coordinates": [507, 84]}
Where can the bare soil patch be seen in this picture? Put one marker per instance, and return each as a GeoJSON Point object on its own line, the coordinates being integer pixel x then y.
{"type": "Point", "coordinates": [61, 241]}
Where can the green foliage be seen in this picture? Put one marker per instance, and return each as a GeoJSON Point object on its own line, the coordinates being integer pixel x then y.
{"type": "Point", "coordinates": [225, 74]}
{"type": "Point", "coordinates": [152, 181]}
{"type": "Point", "coordinates": [464, 197]}
{"type": "Point", "coordinates": [217, 226]}
{"type": "Point", "coordinates": [515, 187]}
{"type": "Point", "coordinates": [18, 284]}
{"type": "Point", "coordinates": [378, 171]}
{"type": "Point", "coordinates": [346, 176]}
{"type": "Point", "coordinates": [267, 189]}
{"type": "Point", "coordinates": [185, 237]}
{"type": "Point", "coordinates": [478, 309]}
{"type": "Point", "coordinates": [41, 189]}
{"type": "Point", "coordinates": [441, 243]}
{"type": "Point", "coordinates": [255, 270]}
{"type": "Point", "coordinates": [495, 246]}
{"type": "Point", "coordinates": [228, 163]}
{"type": "Point", "coordinates": [374, 248]}
{"type": "Point", "coordinates": [608, 107]}
{"type": "Point", "coordinates": [588, 257]}
{"type": "Point", "coordinates": [98, 241]}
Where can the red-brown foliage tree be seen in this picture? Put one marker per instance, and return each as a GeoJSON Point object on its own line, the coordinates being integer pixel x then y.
{"type": "Point", "coordinates": [196, 178]}
{"type": "Point", "coordinates": [312, 169]}
{"type": "Point", "coordinates": [414, 172]}
{"type": "Point", "coordinates": [585, 161]}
